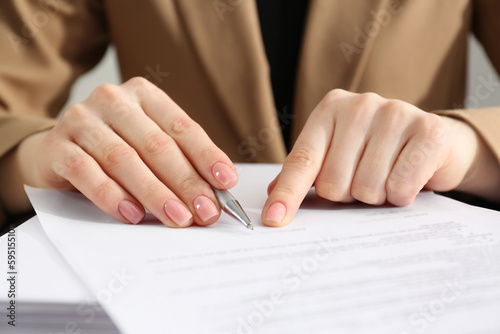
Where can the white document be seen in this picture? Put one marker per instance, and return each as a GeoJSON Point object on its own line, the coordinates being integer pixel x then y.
{"type": "Point", "coordinates": [48, 297]}
{"type": "Point", "coordinates": [432, 267]}
{"type": "Point", "coordinates": [42, 274]}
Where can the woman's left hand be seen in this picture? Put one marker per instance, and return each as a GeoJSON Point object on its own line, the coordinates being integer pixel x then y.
{"type": "Point", "coordinates": [371, 149]}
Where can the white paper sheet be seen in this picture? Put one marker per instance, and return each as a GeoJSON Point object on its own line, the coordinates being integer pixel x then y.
{"type": "Point", "coordinates": [432, 267]}
{"type": "Point", "coordinates": [43, 275]}
{"type": "Point", "coordinates": [48, 296]}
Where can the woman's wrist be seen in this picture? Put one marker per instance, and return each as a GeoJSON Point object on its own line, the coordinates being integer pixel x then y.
{"type": "Point", "coordinates": [12, 193]}
{"type": "Point", "coordinates": [483, 177]}
{"type": "Point", "coordinates": [16, 169]}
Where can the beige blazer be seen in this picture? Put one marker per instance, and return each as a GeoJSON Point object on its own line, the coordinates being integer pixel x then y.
{"type": "Point", "coordinates": [209, 57]}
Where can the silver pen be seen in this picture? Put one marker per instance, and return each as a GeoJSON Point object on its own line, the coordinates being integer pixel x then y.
{"type": "Point", "coordinates": [231, 206]}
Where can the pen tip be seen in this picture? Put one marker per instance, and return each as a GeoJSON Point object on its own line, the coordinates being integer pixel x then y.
{"type": "Point", "coordinates": [250, 226]}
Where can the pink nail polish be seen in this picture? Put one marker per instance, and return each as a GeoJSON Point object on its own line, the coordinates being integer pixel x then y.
{"type": "Point", "coordinates": [178, 213]}
{"type": "Point", "coordinates": [130, 211]}
{"type": "Point", "coordinates": [223, 173]}
{"type": "Point", "coordinates": [205, 208]}
{"type": "Point", "coordinates": [276, 212]}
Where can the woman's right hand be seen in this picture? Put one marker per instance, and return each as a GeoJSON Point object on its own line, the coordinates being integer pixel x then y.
{"type": "Point", "coordinates": [131, 147]}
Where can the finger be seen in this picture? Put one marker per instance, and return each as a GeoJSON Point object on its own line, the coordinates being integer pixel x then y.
{"type": "Point", "coordinates": [122, 163]}
{"type": "Point", "coordinates": [211, 163]}
{"type": "Point", "coordinates": [369, 181]}
{"type": "Point", "coordinates": [378, 158]}
{"type": "Point", "coordinates": [162, 155]}
{"type": "Point", "coordinates": [83, 172]}
{"type": "Point", "coordinates": [335, 178]}
{"type": "Point", "coordinates": [348, 144]}
{"type": "Point", "coordinates": [413, 168]}
{"type": "Point", "coordinates": [300, 169]}
{"type": "Point", "coordinates": [271, 185]}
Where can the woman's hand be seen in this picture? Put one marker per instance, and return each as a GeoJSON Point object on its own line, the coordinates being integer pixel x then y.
{"type": "Point", "coordinates": [367, 148]}
{"type": "Point", "coordinates": [131, 147]}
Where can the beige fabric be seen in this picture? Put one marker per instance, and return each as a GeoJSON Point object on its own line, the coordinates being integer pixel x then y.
{"type": "Point", "coordinates": [209, 57]}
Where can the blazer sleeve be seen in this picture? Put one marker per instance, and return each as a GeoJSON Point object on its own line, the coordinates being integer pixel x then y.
{"type": "Point", "coordinates": [486, 27]}
{"type": "Point", "coordinates": [44, 47]}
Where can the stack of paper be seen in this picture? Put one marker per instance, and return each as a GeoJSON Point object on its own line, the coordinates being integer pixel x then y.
{"type": "Point", "coordinates": [48, 297]}
{"type": "Point", "coordinates": [432, 267]}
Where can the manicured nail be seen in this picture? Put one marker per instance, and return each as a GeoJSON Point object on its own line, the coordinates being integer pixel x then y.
{"type": "Point", "coordinates": [276, 212]}
{"type": "Point", "coordinates": [205, 208]}
{"type": "Point", "coordinates": [223, 173]}
{"type": "Point", "coordinates": [178, 213]}
{"type": "Point", "coordinates": [130, 211]}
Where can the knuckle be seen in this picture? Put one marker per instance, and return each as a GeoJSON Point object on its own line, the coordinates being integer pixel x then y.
{"type": "Point", "coordinates": [90, 138]}
{"type": "Point", "coordinates": [301, 158]}
{"type": "Point", "coordinates": [330, 191]}
{"type": "Point", "coordinates": [140, 82]}
{"type": "Point", "coordinates": [76, 114]}
{"type": "Point", "coordinates": [394, 114]}
{"type": "Point", "coordinates": [331, 98]}
{"type": "Point", "coordinates": [107, 92]}
{"type": "Point", "coordinates": [141, 88]}
{"type": "Point", "coordinates": [334, 95]}
{"type": "Point", "coordinates": [76, 165]}
{"type": "Point", "coordinates": [364, 104]}
{"type": "Point", "coordinates": [158, 144]}
{"type": "Point", "coordinates": [427, 121]}
{"type": "Point", "coordinates": [120, 109]}
{"type": "Point", "coordinates": [367, 101]}
{"type": "Point", "coordinates": [116, 154]}
{"type": "Point", "coordinates": [367, 193]}
{"type": "Point", "coordinates": [284, 190]}
{"type": "Point", "coordinates": [103, 192]}
{"type": "Point", "coordinates": [152, 192]}
{"type": "Point", "coordinates": [423, 125]}
{"type": "Point", "coordinates": [433, 124]}
{"type": "Point", "coordinates": [362, 110]}
{"type": "Point", "coordinates": [182, 126]}
{"type": "Point", "coordinates": [436, 132]}
{"type": "Point", "coordinates": [57, 174]}
{"type": "Point", "coordinates": [392, 107]}
{"type": "Point", "coordinates": [52, 138]}
{"type": "Point", "coordinates": [400, 191]}
{"type": "Point", "coordinates": [188, 184]}
{"type": "Point", "coordinates": [209, 155]}
{"type": "Point", "coordinates": [369, 98]}
{"type": "Point", "coordinates": [431, 129]}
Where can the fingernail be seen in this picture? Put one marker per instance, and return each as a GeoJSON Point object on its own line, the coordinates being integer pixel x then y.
{"type": "Point", "coordinates": [178, 213]}
{"type": "Point", "coordinates": [223, 173]}
{"type": "Point", "coordinates": [130, 211]}
{"type": "Point", "coordinates": [276, 212]}
{"type": "Point", "coordinates": [205, 208]}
